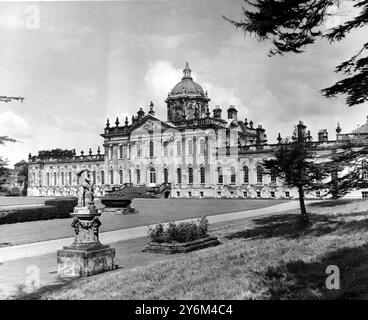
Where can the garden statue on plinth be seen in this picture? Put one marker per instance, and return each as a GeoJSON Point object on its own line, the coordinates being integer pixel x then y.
{"type": "Point", "coordinates": [86, 256]}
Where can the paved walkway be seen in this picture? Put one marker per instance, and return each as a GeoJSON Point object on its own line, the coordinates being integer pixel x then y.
{"type": "Point", "coordinates": [51, 246]}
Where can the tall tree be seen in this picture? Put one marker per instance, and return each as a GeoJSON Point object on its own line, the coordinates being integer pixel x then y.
{"type": "Point", "coordinates": [292, 25]}
{"type": "Point", "coordinates": [294, 164]}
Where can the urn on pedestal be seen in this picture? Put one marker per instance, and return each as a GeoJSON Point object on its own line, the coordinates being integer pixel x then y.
{"type": "Point", "coordinates": [86, 255]}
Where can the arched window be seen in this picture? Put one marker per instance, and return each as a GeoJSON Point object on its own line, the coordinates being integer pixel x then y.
{"type": "Point", "coordinates": [47, 179]}
{"type": "Point", "coordinates": [102, 177]}
{"type": "Point", "coordinates": [111, 177]}
{"type": "Point", "coordinates": [178, 172]}
{"type": "Point", "coordinates": [201, 147]}
{"type": "Point", "coordinates": [94, 177]}
{"type": "Point", "coordinates": [152, 175]}
{"type": "Point", "coordinates": [190, 175]}
{"type": "Point", "coordinates": [220, 176]}
{"type": "Point", "coordinates": [138, 176]}
{"type": "Point", "coordinates": [70, 178]}
{"type": "Point", "coordinates": [259, 174]}
{"type": "Point", "coordinates": [121, 152]}
{"type": "Point", "coordinates": [232, 175]}
{"type": "Point", "coordinates": [166, 175]}
{"type": "Point", "coordinates": [121, 180]}
{"type": "Point", "coordinates": [178, 148]}
{"type": "Point", "coordinates": [55, 179]}
{"type": "Point", "coordinates": [246, 174]}
{"type": "Point", "coordinates": [190, 147]}
{"type": "Point", "coordinates": [151, 148]}
{"type": "Point", "coordinates": [202, 175]}
{"type": "Point", "coordinates": [273, 175]}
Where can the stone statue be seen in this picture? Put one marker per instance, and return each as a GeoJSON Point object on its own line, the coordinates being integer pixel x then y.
{"type": "Point", "coordinates": [85, 191]}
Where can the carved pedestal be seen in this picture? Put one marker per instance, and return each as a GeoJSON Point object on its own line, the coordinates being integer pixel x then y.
{"type": "Point", "coordinates": [86, 256]}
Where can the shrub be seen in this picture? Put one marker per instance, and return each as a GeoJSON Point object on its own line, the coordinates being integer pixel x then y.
{"type": "Point", "coordinates": [53, 209]}
{"type": "Point", "coordinates": [179, 232]}
{"type": "Point", "coordinates": [64, 206]}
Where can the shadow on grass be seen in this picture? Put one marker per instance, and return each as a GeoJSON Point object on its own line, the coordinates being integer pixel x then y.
{"type": "Point", "coordinates": [331, 203]}
{"type": "Point", "coordinates": [289, 226]}
{"type": "Point", "coordinates": [300, 280]}
{"type": "Point", "coordinates": [21, 293]}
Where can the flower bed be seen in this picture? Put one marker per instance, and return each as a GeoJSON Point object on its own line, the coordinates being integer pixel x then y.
{"type": "Point", "coordinates": [180, 237]}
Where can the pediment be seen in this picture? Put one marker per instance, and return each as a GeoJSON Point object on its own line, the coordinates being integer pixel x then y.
{"type": "Point", "coordinates": [150, 123]}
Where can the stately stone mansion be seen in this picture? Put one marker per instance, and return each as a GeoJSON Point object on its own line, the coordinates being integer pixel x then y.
{"type": "Point", "coordinates": [195, 153]}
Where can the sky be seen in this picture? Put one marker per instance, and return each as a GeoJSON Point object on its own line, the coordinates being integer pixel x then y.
{"type": "Point", "coordinates": [79, 63]}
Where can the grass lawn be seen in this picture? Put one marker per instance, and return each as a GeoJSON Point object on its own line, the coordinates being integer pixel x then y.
{"type": "Point", "coordinates": [264, 258]}
{"type": "Point", "coordinates": [151, 211]}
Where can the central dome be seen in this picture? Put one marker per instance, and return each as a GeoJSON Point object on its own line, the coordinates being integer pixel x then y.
{"type": "Point", "coordinates": [187, 85]}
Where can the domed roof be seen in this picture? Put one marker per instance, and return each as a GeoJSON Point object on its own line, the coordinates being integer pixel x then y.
{"type": "Point", "coordinates": [187, 85]}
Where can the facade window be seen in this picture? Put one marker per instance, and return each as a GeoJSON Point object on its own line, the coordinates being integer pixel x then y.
{"type": "Point", "coordinates": [202, 175]}
{"type": "Point", "coordinates": [138, 176]}
{"type": "Point", "coordinates": [365, 194]}
{"type": "Point", "coordinates": [287, 194]}
{"type": "Point", "coordinates": [102, 177]}
{"type": "Point", "coordinates": [258, 194]}
{"type": "Point", "coordinates": [178, 193]}
{"type": "Point", "coordinates": [232, 175]}
{"type": "Point", "coordinates": [70, 178]}
{"type": "Point", "coordinates": [219, 194]}
{"type": "Point", "coordinates": [166, 149]}
{"type": "Point", "coordinates": [111, 152]}
{"type": "Point", "coordinates": [232, 194]}
{"type": "Point", "coordinates": [121, 176]}
{"type": "Point", "coordinates": [55, 179]}
{"type": "Point", "coordinates": [190, 175]}
{"type": "Point", "coordinates": [273, 175]}
{"type": "Point", "coordinates": [151, 149]}
{"type": "Point", "coordinates": [201, 194]}
{"type": "Point", "coordinates": [152, 175]}
{"type": "Point", "coordinates": [130, 176]}
{"type": "Point", "coordinates": [259, 174]}
{"type": "Point", "coordinates": [47, 179]}
{"type": "Point", "coordinates": [94, 177]}
{"type": "Point", "coordinates": [189, 194]}
{"type": "Point", "coordinates": [273, 195]}
{"type": "Point", "coordinates": [201, 147]}
{"type": "Point", "coordinates": [129, 151]}
{"type": "Point", "coordinates": [111, 177]}
{"type": "Point", "coordinates": [245, 194]}
{"type": "Point", "coordinates": [246, 175]}
{"type": "Point", "coordinates": [62, 178]}
{"type": "Point", "coordinates": [166, 175]}
{"type": "Point", "coordinates": [220, 176]}
{"type": "Point", "coordinates": [178, 148]}
{"type": "Point", "coordinates": [178, 171]}
{"type": "Point", "coordinates": [121, 152]}
{"type": "Point", "coordinates": [190, 147]}
{"type": "Point", "coordinates": [139, 150]}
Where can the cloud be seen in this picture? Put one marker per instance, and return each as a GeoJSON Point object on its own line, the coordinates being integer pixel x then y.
{"type": "Point", "coordinates": [161, 77]}
{"type": "Point", "coordinates": [13, 125]}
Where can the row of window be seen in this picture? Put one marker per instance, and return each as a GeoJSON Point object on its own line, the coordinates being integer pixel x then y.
{"type": "Point", "coordinates": [152, 149]}
{"type": "Point", "coordinates": [232, 194]}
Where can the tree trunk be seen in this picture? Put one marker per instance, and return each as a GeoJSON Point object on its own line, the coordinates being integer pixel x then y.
{"type": "Point", "coordinates": [305, 218]}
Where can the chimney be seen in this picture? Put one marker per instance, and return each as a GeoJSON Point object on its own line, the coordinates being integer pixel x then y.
{"type": "Point", "coordinates": [322, 135]}
{"type": "Point", "coordinates": [232, 113]}
{"type": "Point", "coordinates": [217, 112]}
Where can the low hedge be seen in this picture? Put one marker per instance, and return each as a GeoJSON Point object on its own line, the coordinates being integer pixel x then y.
{"type": "Point", "coordinates": [64, 206]}
{"type": "Point", "coordinates": [53, 209]}
{"type": "Point", "coordinates": [179, 232]}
